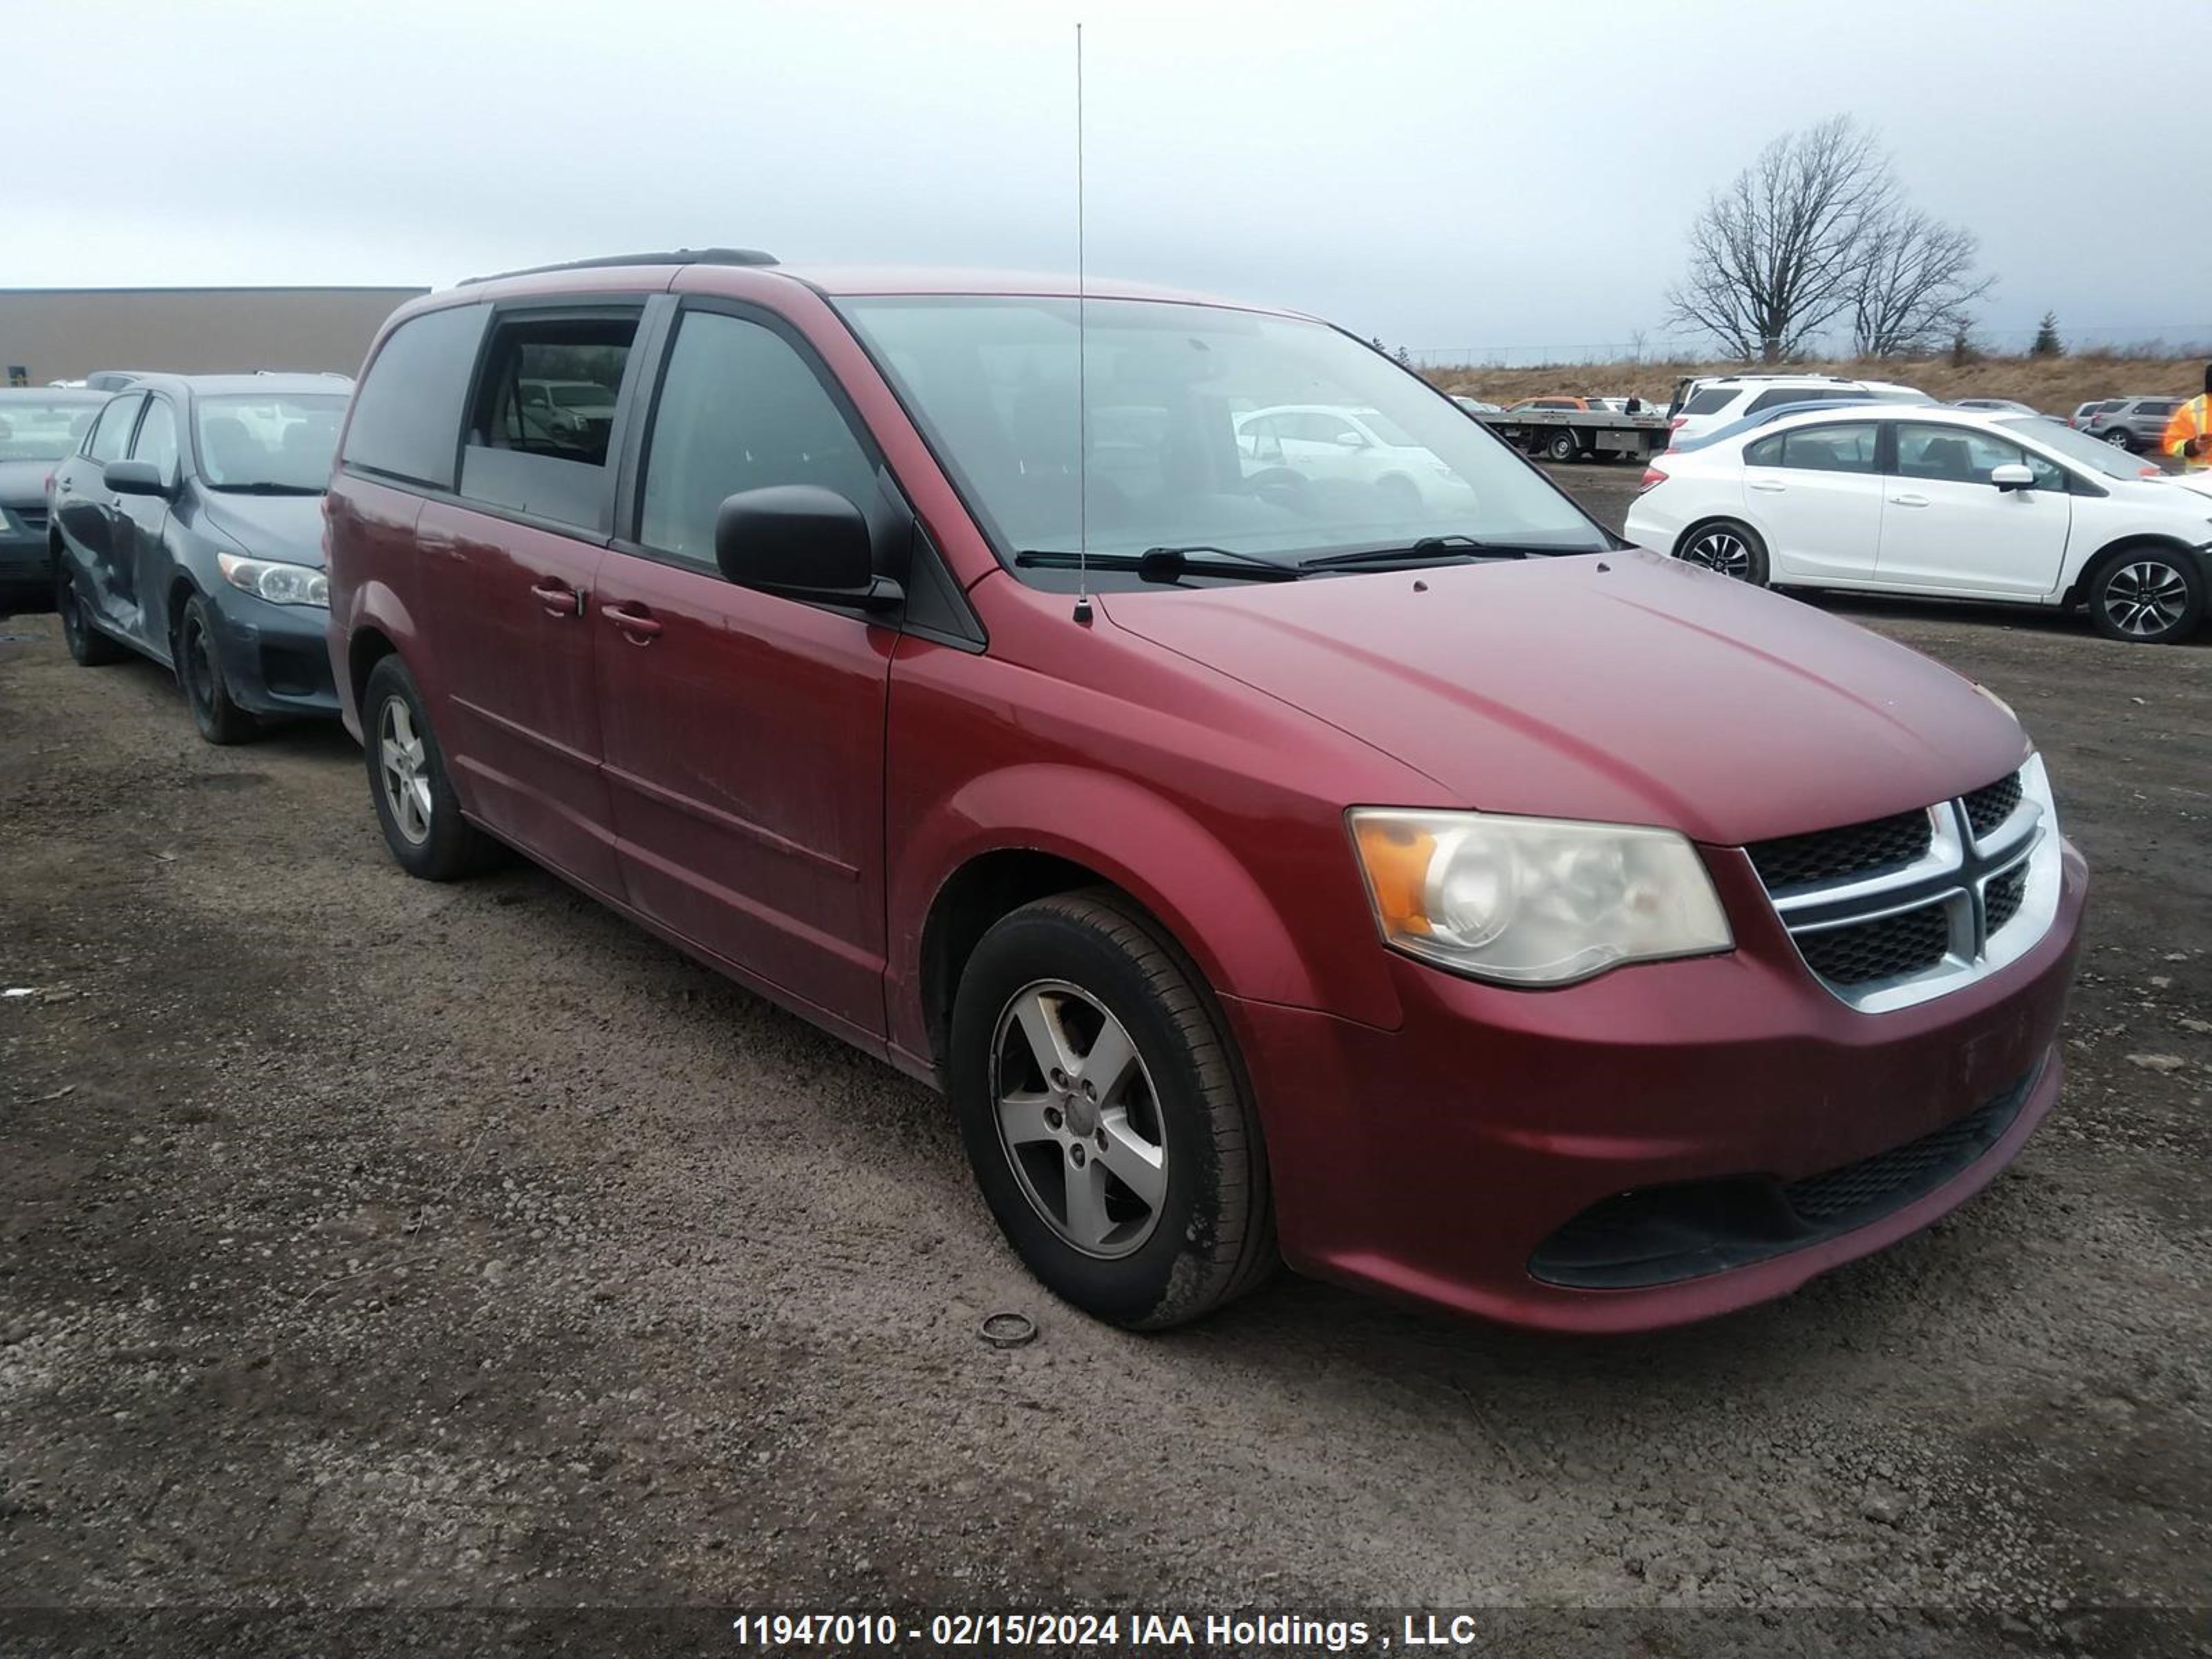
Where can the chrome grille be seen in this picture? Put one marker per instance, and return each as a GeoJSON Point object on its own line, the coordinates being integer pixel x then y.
{"type": "Point", "coordinates": [1989, 807]}
{"type": "Point", "coordinates": [1897, 911]}
{"type": "Point", "coordinates": [1906, 943]}
{"type": "Point", "coordinates": [2006, 894]}
{"type": "Point", "coordinates": [1829, 854]}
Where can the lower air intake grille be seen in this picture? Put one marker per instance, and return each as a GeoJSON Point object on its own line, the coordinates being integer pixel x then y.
{"type": "Point", "coordinates": [1663, 1235]}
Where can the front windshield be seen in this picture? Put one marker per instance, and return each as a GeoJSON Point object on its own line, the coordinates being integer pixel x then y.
{"type": "Point", "coordinates": [43, 429]}
{"type": "Point", "coordinates": [276, 442]}
{"type": "Point", "coordinates": [2062, 438]}
{"type": "Point", "coordinates": [1207, 427]}
{"type": "Point", "coordinates": [1386, 429]}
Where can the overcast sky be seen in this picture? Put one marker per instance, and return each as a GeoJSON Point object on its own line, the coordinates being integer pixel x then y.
{"type": "Point", "coordinates": [1455, 174]}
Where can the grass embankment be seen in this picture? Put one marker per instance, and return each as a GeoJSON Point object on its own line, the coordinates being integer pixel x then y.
{"type": "Point", "coordinates": [2052, 384]}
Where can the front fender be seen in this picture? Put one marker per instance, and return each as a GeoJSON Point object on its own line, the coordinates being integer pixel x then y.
{"type": "Point", "coordinates": [1142, 842]}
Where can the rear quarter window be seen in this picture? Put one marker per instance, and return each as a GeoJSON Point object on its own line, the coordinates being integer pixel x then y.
{"type": "Point", "coordinates": [407, 414]}
{"type": "Point", "coordinates": [1710, 400]}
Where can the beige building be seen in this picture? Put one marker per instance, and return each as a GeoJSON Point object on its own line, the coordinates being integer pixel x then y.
{"type": "Point", "coordinates": [66, 333]}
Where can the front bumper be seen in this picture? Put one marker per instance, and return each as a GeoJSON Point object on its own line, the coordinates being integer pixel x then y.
{"type": "Point", "coordinates": [275, 657]}
{"type": "Point", "coordinates": [1431, 1162]}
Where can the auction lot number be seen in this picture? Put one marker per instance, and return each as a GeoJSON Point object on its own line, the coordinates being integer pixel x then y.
{"type": "Point", "coordinates": [840, 1631]}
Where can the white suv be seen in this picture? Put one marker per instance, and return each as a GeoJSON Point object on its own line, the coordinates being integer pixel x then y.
{"type": "Point", "coordinates": [1706, 403]}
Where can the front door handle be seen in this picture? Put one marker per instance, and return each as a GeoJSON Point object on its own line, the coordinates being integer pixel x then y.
{"type": "Point", "coordinates": [637, 626]}
{"type": "Point", "coordinates": [1908, 501]}
{"type": "Point", "coordinates": [1768, 486]}
{"type": "Point", "coordinates": [558, 598]}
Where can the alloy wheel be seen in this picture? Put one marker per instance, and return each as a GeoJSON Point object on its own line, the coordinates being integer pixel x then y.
{"type": "Point", "coordinates": [402, 766]}
{"type": "Point", "coordinates": [1078, 1119]}
{"type": "Point", "coordinates": [2146, 597]}
{"type": "Point", "coordinates": [1722, 549]}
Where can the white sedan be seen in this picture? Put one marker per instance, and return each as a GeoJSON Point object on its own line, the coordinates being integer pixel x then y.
{"type": "Point", "coordinates": [1942, 502]}
{"type": "Point", "coordinates": [1319, 442]}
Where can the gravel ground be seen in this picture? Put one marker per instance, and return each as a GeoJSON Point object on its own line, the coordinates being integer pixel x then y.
{"type": "Point", "coordinates": [379, 1244]}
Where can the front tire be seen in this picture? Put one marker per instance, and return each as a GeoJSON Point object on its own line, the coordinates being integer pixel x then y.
{"type": "Point", "coordinates": [416, 805]}
{"type": "Point", "coordinates": [1727, 548]}
{"type": "Point", "coordinates": [2147, 596]}
{"type": "Point", "coordinates": [1105, 1116]}
{"type": "Point", "coordinates": [200, 672]}
{"type": "Point", "coordinates": [87, 646]}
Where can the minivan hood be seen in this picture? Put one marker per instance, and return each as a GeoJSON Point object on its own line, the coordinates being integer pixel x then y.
{"type": "Point", "coordinates": [285, 527]}
{"type": "Point", "coordinates": [1622, 687]}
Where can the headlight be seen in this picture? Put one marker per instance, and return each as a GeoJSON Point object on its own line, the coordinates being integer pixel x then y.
{"type": "Point", "coordinates": [1534, 900]}
{"type": "Point", "coordinates": [279, 584]}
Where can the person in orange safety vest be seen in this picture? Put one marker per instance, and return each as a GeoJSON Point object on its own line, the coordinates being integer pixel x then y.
{"type": "Point", "coordinates": [2189, 433]}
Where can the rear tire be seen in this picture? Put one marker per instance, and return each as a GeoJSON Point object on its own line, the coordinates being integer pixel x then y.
{"type": "Point", "coordinates": [87, 646]}
{"type": "Point", "coordinates": [2147, 596]}
{"type": "Point", "coordinates": [1074, 976]}
{"type": "Point", "coordinates": [1727, 548]}
{"type": "Point", "coordinates": [199, 674]}
{"type": "Point", "coordinates": [416, 805]}
{"type": "Point", "coordinates": [1564, 446]}
{"type": "Point", "coordinates": [2120, 438]}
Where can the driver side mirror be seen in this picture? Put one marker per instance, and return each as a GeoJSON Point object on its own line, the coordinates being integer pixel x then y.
{"type": "Point", "coordinates": [1351, 441]}
{"type": "Point", "coordinates": [2011, 475]}
{"type": "Point", "coordinates": [801, 542]}
{"type": "Point", "coordinates": [134, 478]}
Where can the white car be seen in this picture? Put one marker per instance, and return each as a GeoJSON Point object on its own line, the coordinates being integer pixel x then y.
{"type": "Point", "coordinates": [1940, 502]}
{"type": "Point", "coordinates": [1704, 404]}
{"type": "Point", "coordinates": [1321, 443]}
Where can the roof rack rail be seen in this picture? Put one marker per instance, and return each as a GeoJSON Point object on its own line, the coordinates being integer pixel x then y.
{"type": "Point", "coordinates": [683, 255]}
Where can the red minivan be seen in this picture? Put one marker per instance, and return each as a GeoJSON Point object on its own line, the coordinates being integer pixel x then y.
{"type": "Point", "coordinates": [1275, 849]}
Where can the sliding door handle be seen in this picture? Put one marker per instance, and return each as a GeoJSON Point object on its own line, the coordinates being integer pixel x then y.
{"type": "Point", "coordinates": [558, 598]}
{"type": "Point", "coordinates": [638, 626]}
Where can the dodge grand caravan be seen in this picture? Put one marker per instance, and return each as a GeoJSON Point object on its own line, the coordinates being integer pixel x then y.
{"type": "Point", "coordinates": [1417, 886]}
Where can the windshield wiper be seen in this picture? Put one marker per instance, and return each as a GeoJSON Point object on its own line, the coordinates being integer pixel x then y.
{"type": "Point", "coordinates": [268, 489]}
{"type": "Point", "coordinates": [1165, 564]}
{"type": "Point", "coordinates": [1430, 549]}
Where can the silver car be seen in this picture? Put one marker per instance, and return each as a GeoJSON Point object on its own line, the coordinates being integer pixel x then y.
{"type": "Point", "coordinates": [2136, 424]}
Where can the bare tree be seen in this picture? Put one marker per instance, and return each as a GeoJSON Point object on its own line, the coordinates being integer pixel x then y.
{"type": "Point", "coordinates": [1771, 257]}
{"type": "Point", "coordinates": [1913, 280]}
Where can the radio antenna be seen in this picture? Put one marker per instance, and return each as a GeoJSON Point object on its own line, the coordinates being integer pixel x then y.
{"type": "Point", "coordinates": [1082, 368]}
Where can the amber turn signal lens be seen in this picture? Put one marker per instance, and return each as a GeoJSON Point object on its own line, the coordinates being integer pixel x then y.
{"type": "Point", "coordinates": [1397, 856]}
